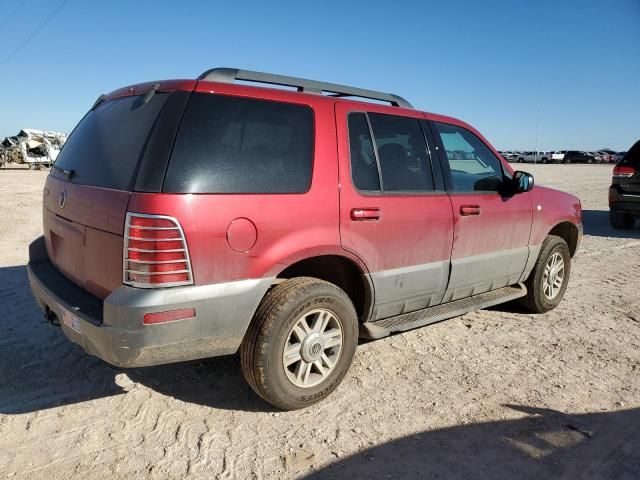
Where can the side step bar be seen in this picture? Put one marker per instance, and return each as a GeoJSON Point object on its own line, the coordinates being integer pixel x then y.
{"type": "Point", "coordinates": [420, 318]}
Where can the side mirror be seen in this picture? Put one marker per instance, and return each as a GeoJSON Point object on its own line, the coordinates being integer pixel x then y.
{"type": "Point", "coordinates": [522, 182]}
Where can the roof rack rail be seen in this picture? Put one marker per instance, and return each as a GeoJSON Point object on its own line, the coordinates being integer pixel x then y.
{"type": "Point", "coordinates": [229, 75]}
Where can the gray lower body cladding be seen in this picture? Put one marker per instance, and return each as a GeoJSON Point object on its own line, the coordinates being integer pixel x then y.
{"type": "Point", "coordinates": [420, 318]}
{"type": "Point", "coordinates": [113, 330]}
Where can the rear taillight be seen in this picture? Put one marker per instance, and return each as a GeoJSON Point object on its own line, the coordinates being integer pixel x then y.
{"type": "Point", "coordinates": [623, 171]}
{"type": "Point", "coordinates": [155, 252]}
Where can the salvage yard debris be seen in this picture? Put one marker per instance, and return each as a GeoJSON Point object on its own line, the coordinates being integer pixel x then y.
{"type": "Point", "coordinates": [32, 147]}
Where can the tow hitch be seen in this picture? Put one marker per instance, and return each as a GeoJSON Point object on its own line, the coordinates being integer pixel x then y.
{"type": "Point", "coordinates": [51, 317]}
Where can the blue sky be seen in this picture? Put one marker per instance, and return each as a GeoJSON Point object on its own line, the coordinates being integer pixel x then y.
{"type": "Point", "coordinates": [500, 65]}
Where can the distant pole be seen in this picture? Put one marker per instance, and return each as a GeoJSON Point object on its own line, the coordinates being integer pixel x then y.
{"type": "Point", "coordinates": [535, 158]}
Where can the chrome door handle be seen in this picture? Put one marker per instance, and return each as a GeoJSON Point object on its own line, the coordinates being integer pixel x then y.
{"type": "Point", "coordinates": [466, 210]}
{"type": "Point", "coordinates": [363, 214]}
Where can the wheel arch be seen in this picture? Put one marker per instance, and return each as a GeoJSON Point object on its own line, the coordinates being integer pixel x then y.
{"type": "Point", "coordinates": [569, 232]}
{"type": "Point", "coordinates": [341, 271]}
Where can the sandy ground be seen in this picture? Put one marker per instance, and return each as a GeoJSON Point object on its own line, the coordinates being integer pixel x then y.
{"type": "Point", "coordinates": [493, 394]}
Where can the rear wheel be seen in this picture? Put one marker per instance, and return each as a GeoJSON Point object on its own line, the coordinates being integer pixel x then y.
{"type": "Point", "coordinates": [300, 343]}
{"type": "Point", "coordinates": [548, 280]}
{"type": "Point", "coordinates": [621, 220]}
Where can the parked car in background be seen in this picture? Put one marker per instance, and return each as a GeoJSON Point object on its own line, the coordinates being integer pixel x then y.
{"type": "Point", "coordinates": [578, 156]}
{"type": "Point", "coordinates": [606, 156]}
{"type": "Point", "coordinates": [558, 156]}
{"type": "Point", "coordinates": [597, 157]}
{"type": "Point", "coordinates": [624, 193]}
{"type": "Point", "coordinates": [619, 156]}
{"type": "Point", "coordinates": [532, 157]}
{"type": "Point", "coordinates": [509, 156]}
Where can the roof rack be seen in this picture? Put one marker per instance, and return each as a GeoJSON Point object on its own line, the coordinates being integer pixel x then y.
{"type": "Point", "coordinates": [229, 75]}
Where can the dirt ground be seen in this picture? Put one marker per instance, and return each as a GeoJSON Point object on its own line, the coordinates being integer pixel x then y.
{"type": "Point", "coordinates": [494, 394]}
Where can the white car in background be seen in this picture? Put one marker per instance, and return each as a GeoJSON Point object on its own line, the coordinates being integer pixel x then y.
{"type": "Point", "coordinates": [534, 157]}
{"type": "Point", "coordinates": [509, 156]}
{"type": "Point", "coordinates": [558, 156]}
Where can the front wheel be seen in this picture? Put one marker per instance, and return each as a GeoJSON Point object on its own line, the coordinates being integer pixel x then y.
{"type": "Point", "coordinates": [300, 343]}
{"type": "Point", "coordinates": [550, 276]}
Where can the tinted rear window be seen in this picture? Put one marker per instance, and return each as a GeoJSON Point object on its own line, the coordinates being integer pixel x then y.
{"type": "Point", "coordinates": [105, 147]}
{"type": "Point", "coordinates": [239, 145]}
{"type": "Point", "coordinates": [632, 157]}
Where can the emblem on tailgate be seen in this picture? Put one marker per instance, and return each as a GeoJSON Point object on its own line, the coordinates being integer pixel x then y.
{"type": "Point", "coordinates": [62, 200]}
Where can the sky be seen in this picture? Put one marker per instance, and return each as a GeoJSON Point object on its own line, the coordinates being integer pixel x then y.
{"type": "Point", "coordinates": [561, 74]}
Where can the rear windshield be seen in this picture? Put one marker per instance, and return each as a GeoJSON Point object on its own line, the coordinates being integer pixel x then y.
{"type": "Point", "coordinates": [241, 145]}
{"type": "Point", "coordinates": [105, 147]}
{"type": "Point", "coordinates": [632, 157]}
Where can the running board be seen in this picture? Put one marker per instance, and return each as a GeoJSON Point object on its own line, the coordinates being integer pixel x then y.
{"type": "Point", "coordinates": [426, 316]}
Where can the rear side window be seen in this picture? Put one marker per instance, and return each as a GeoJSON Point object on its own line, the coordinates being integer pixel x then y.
{"type": "Point", "coordinates": [402, 152]}
{"type": "Point", "coordinates": [398, 150]}
{"type": "Point", "coordinates": [105, 147]}
{"type": "Point", "coordinates": [239, 145]}
{"type": "Point", "coordinates": [364, 170]}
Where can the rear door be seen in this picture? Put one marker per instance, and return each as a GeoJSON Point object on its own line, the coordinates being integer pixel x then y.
{"type": "Point", "coordinates": [86, 194]}
{"type": "Point", "coordinates": [491, 230]}
{"type": "Point", "coordinates": [394, 212]}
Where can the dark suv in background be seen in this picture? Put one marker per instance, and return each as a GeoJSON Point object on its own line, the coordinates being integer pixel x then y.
{"type": "Point", "coordinates": [624, 193]}
{"type": "Point", "coordinates": [577, 156]}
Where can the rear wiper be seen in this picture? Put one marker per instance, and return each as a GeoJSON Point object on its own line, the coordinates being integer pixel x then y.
{"type": "Point", "coordinates": [67, 173]}
{"type": "Point", "coordinates": [152, 91]}
{"type": "Point", "coordinates": [98, 101]}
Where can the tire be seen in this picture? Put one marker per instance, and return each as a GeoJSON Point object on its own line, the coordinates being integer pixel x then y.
{"type": "Point", "coordinates": [262, 350]}
{"type": "Point", "coordinates": [621, 220]}
{"type": "Point", "coordinates": [536, 299]}
{"type": "Point", "coordinates": [521, 160]}
{"type": "Point", "coordinates": [544, 160]}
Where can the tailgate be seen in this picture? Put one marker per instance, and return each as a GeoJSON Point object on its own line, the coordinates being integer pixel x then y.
{"type": "Point", "coordinates": [86, 194]}
{"type": "Point", "coordinates": [83, 230]}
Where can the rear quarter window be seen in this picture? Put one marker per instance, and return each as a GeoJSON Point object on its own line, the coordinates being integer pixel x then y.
{"type": "Point", "coordinates": [232, 144]}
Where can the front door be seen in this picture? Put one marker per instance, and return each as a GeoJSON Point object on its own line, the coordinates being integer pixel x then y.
{"type": "Point", "coordinates": [491, 231]}
{"type": "Point", "coordinates": [394, 212]}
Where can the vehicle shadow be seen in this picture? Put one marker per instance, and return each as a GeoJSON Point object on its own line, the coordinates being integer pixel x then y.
{"type": "Point", "coordinates": [40, 368]}
{"type": "Point", "coordinates": [545, 444]}
{"type": "Point", "coordinates": [596, 223]}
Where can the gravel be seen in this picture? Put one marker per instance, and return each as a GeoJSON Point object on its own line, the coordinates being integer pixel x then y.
{"type": "Point", "coordinates": [498, 393]}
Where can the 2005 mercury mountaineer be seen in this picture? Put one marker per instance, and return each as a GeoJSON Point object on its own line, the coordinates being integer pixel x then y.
{"type": "Point", "coordinates": [186, 219]}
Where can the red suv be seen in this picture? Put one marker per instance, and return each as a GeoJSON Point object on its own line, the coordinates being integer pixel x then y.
{"type": "Point", "coordinates": [187, 219]}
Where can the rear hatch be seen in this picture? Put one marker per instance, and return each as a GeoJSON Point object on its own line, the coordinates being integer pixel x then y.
{"type": "Point", "coordinates": [627, 172]}
{"type": "Point", "coordinates": [87, 193]}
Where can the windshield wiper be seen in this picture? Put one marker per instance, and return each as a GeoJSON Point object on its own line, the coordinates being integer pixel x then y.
{"type": "Point", "coordinates": [67, 173]}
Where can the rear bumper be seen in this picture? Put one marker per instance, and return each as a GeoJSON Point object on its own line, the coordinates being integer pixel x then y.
{"type": "Point", "coordinates": [623, 202]}
{"type": "Point", "coordinates": [113, 329]}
